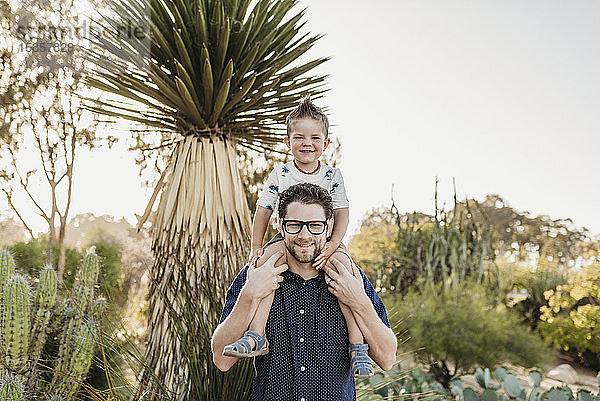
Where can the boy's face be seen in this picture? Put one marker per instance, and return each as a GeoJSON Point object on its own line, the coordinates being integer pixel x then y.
{"type": "Point", "coordinates": [307, 142]}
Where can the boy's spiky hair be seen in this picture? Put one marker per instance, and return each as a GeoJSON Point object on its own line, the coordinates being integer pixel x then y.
{"type": "Point", "coordinates": [307, 109]}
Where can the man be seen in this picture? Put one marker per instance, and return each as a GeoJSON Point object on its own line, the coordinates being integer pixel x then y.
{"type": "Point", "coordinates": [308, 358]}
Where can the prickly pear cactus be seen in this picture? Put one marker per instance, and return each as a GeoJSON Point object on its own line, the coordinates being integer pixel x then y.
{"type": "Point", "coordinates": [16, 317]}
{"type": "Point", "coordinates": [11, 389]}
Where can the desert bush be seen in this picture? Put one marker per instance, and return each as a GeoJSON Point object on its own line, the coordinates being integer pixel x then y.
{"type": "Point", "coordinates": [571, 320]}
{"type": "Point", "coordinates": [546, 275]}
{"type": "Point", "coordinates": [458, 329]}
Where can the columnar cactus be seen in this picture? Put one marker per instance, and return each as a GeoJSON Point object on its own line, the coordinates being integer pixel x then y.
{"type": "Point", "coordinates": [7, 266]}
{"type": "Point", "coordinates": [71, 370]}
{"type": "Point", "coordinates": [16, 315]}
{"type": "Point", "coordinates": [45, 298]}
{"type": "Point", "coordinates": [11, 389]}
{"type": "Point", "coordinates": [22, 337]}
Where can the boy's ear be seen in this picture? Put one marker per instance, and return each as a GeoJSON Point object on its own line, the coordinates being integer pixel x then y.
{"type": "Point", "coordinates": [326, 143]}
{"type": "Point", "coordinates": [286, 140]}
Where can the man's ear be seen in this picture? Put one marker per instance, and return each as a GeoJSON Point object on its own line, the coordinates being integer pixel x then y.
{"type": "Point", "coordinates": [330, 227]}
{"type": "Point", "coordinates": [286, 140]}
{"type": "Point", "coordinates": [280, 226]}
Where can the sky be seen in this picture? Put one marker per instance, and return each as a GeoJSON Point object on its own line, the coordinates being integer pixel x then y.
{"type": "Point", "coordinates": [502, 96]}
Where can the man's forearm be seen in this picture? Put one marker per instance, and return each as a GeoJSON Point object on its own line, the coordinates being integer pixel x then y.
{"type": "Point", "coordinates": [232, 328]}
{"type": "Point", "coordinates": [381, 339]}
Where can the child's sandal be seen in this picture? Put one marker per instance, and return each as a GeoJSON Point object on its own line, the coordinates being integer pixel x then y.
{"type": "Point", "coordinates": [361, 365]}
{"type": "Point", "coordinates": [243, 349]}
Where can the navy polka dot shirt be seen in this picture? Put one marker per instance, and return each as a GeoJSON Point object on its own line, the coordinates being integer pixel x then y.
{"type": "Point", "coordinates": [308, 357]}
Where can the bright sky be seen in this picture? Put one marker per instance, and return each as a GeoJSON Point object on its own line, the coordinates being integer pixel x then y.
{"type": "Point", "coordinates": [502, 95]}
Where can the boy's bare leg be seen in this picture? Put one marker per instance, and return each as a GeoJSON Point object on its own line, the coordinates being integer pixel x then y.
{"type": "Point", "coordinates": [355, 336]}
{"type": "Point", "coordinates": [259, 321]}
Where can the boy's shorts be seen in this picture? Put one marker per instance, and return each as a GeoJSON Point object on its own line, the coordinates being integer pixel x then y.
{"type": "Point", "coordinates": [278, 237]}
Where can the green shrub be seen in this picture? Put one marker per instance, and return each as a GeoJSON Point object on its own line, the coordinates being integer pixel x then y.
{"type": "Point", "coordinates": [571, 320]}
{"type": "Point", "coordinates": [460, 328]}
{"type": "Point", "coordinates": [547, 275]}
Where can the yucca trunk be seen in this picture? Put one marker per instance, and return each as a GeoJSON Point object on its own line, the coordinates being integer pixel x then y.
{"type": "Point", "coordinates": [200, 233]}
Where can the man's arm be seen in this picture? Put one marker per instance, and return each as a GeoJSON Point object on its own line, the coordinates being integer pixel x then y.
{"type": "Point", "coordinates": [349, 289]}
{"type": "Point", "coordinates": [260, 282]}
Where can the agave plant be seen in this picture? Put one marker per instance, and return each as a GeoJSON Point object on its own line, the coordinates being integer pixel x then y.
{"type": "Point", "coordinates": [214, 77]}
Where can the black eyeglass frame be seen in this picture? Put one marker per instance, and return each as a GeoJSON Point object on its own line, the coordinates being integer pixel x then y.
{"type": "Point", "coordinates": [305, 223]}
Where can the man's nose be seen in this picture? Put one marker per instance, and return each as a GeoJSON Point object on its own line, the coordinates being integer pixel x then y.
{"type": "Point", "coordinates": [304, 233]}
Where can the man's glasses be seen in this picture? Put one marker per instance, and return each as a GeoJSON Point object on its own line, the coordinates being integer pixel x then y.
{"type": "Point", "coordinates": [315, 227]}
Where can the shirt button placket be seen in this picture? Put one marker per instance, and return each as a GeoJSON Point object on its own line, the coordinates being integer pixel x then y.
{"type": "Point", "coordinates": [302, 334]}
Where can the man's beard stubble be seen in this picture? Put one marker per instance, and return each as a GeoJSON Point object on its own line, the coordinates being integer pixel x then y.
{"type": "Point", "coordinates": [300, 259]}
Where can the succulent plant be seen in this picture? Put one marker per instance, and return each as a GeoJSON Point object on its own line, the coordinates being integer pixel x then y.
{"type": "Point", "coordinates": [23, 334]}
{"type": "Point", "coordinates": [16, 318]}
{"type": "Point", "coordinates": [512, 389]}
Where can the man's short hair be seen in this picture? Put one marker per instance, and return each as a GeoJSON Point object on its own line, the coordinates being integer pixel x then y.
{"type": "Point", "coordinates": [307, 109]}
{"type": "Point", "coordinates": [307, 194]}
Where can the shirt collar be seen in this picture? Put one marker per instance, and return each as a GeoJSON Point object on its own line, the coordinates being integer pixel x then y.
{"type": "Point", "coordinates": [297, 279]}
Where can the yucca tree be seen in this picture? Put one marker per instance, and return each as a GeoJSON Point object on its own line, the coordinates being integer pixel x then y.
{"type": "Point", "coordinates": [214, 77]}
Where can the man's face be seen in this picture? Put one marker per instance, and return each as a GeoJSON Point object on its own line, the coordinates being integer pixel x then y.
{"type": "Point", "coordinates": [305, 246]}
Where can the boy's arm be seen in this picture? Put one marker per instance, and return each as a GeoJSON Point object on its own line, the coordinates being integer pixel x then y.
{"type": "Point", "coordinates": [259, 227]}
{"type": "Point", "coordinates": [341, 218]}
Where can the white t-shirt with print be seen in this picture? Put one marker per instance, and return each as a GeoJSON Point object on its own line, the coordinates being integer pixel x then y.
{"type": "Point", "coordinates": [285, 175]}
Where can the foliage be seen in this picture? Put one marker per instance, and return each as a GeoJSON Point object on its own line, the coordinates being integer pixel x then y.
{"type": "Point", "coordinates": [547, 275]}
{"type": "Point", "coordinates": [509, 388]}
{"type": "Point", "coordinates": [207, 65]}
{"type": "Point", "coordinates": [520, 235]}
{"type": "Point", "coordinates": [475, 332]}
{"type": "Point", "coordinates": [571, 319]}
{"type": "Point", "coordinates": [443, 250]}
{"type": "Point", "coordinates": [22, 343]}
{"type": "Point", "coordinates": [411, 385]}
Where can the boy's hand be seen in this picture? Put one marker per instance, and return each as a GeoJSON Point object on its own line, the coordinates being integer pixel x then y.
{"type": "Point", "coordinates": [254, 255]}
{"type": "Point", "coordinates": [326, 252]}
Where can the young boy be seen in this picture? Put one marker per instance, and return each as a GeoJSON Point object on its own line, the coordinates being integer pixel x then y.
{"type": "Point", "coordinates": [307, 138]}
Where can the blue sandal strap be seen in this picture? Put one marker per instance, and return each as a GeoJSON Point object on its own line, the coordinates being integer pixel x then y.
{"type": "Point", "coordinates": [260, 341]}
{"type": "Point", "coordinates": [358, 347]}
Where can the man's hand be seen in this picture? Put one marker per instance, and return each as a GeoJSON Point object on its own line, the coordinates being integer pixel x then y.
{"type": "Point", "coordinates": [263, 280]}
{"type": "Point", "coordinates": [323, 257]}
{"type": "Point", "coordinates": [348, 288]}
{"type": "Point", "coordinates": [254, 255]}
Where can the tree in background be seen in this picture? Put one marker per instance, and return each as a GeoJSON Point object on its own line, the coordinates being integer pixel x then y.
{"type": "Point", "coordinates": [571, 320]}
{"type": "Point", "coordinates": [41, 117]}
{"type": "Point", "coordinates": [211, 76]}
{"type": "Point", "coordinates": [523, 237]}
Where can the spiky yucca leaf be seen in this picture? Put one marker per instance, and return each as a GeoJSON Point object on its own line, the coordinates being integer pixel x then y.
{"type": "Point", "coordinates": [203, 65]}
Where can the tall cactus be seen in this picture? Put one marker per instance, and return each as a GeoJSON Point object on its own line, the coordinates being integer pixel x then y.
{"type": "Point", "coordinates": [7, 266]}
{"type": "Point", "coordinates": [45, 298]}
{"type": "Point", "coordinates": [77, 334]}
{"type": "Point", "coordinates": [16, 315]}
{"type": "Point", "coordinates": [72, 370]}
